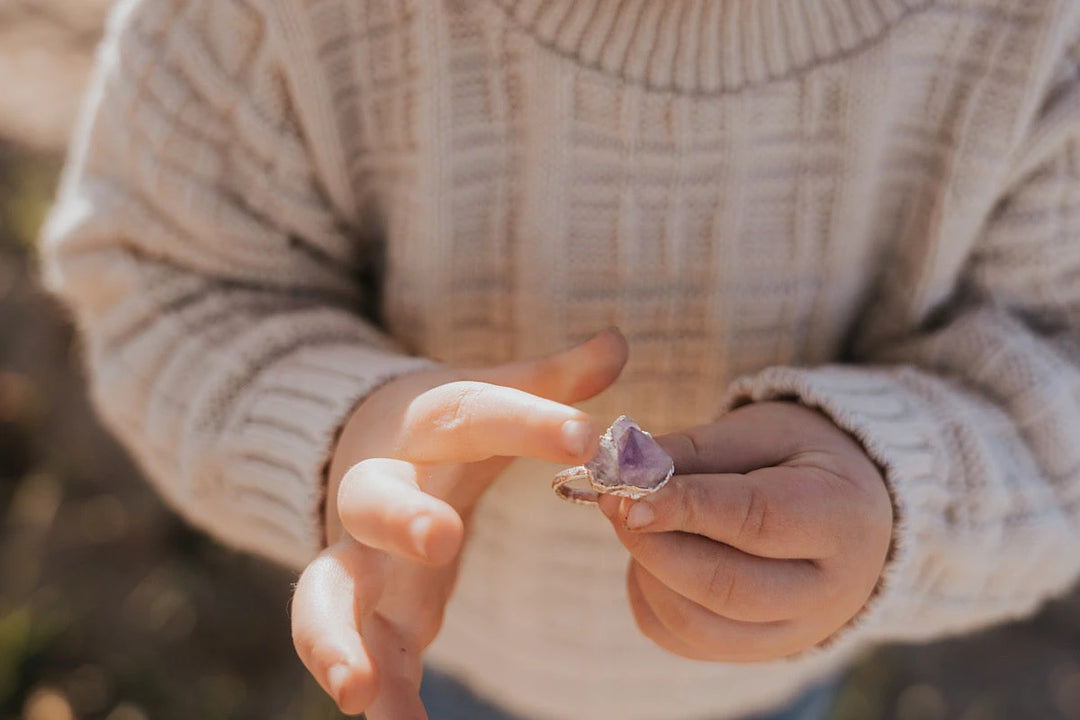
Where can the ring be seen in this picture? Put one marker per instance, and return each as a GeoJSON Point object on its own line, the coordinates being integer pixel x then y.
{"type": "Point", "coordinates": [629, 463]}
{"type": "Point", "coordinates": [580, 474]}
{"type": "Point", "coordinates": [561, 485]}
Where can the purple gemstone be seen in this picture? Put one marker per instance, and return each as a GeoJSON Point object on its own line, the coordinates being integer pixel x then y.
{"type": "Point", "coordinates": [630, 459]}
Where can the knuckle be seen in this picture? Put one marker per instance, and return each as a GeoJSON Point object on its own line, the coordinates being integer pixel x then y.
{"type": "Point", "coordinates": [721, 584]}
{"type": "Point", "coordinates": [441, 418]}
{"type": "Point", "coordinates": [455, 413]}
{"type": "Point", "coordinates": [689, 443]}
{"type": "Point", "coordinates": [755, 514]}
{"type": "Point", "coordinates": [687, 501]}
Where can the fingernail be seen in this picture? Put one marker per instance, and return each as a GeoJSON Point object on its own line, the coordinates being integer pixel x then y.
{"type": "Point", "coordinates": [605, 331]}
{"type": "Point", "coordinates": [640, 515]}
{"type": "Point", "coordinates": [418, 531]}
{"type": "Point", "coordinates": [577, 434]}
{"type": "Point", "coordinates": [337, 676]}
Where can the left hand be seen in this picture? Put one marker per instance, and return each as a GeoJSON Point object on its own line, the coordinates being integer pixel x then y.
{"type": "Point", "coordinates": [770, 538]}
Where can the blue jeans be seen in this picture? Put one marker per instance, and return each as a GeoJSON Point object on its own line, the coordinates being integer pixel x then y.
{"type": "Point", "coordinates": [447, 699]}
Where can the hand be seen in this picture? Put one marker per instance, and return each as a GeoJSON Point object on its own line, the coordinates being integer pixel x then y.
{"type": "Point", "coordinates": [770, 538]}
{"type": "Point", "coordinates": [410, 465]}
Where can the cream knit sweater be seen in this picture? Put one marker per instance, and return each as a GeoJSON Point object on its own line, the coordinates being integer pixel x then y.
{"type": "Point", "coordinates": [873, 206]}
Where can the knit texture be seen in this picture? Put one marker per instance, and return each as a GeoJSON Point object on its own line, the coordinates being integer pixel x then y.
{"type": "Point", "coordinates": [870, 206]}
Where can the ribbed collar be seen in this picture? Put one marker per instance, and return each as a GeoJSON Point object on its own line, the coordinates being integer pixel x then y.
{"type": "Point", "coordinates": [707, 46]}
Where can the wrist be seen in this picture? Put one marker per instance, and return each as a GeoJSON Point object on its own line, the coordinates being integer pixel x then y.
{"type": "Point", "coordinates": [365, 434]}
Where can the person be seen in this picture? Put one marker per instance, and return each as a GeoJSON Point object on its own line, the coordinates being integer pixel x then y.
{"type": "Point", "coordinates": [342, 270]}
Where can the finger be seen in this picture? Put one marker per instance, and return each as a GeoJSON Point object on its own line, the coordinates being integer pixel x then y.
{"type": "Point", "coordinates": [777, 512]}
{"type": "Point", "coordinates": [707, 635]}
{"type": "Point", "coordinates": [343, 581]}
{"type": "Point", "coordinates": [650, 625]}
{"type": "Point", "coordinates": [381, 505]}
{"type": "Point", "coordinates": [727, 581]}
{"type": "Point", "coordinates": [416, 600]}
{"type": "Point", "coordinates": [401, 670]}
{"type": "Point", "coordinates": [751, 437]}
{"type": "Point", "coordinates": [467, 421]}
{"type": "Point", "coordinates": [570, 376]}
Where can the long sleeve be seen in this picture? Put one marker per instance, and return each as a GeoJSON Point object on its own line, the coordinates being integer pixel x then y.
{"type": "Point", "coordinates": [974, 413]}
{"type": "Point", "coordinates": [219, 297]}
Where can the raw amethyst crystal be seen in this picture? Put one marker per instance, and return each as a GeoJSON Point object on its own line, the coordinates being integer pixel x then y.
{"type": "Point", "coordinates": [629, 463]}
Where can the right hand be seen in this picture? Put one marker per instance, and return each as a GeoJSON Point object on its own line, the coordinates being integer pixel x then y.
{"type": "Point", "coordinates": [410, 465]}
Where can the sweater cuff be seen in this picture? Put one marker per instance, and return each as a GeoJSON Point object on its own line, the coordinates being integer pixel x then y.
{"type": "Point", "coordinates": [896, 428]}
{"type": "Point", "coordinates": [277, 446]}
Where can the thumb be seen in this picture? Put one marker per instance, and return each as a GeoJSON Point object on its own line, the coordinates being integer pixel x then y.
{"type": "Point", "coordinates": [569, 376]}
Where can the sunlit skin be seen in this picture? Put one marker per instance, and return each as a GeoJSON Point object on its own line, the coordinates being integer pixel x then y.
{"type": "Point", "coordinates": [771, 536]}
{"type": "Point", "coordinates": [426, 446]}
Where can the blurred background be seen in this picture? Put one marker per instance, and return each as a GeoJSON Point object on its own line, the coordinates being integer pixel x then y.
{"type": "Point", "coordinates": [111, 608]}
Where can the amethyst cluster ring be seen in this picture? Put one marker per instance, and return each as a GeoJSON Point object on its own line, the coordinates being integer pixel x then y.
{"type": "Point", "coordinates": [629, 464]}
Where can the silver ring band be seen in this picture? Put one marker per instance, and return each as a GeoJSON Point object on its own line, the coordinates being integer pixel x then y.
{"type": "Point", "coordinates": [561, 484]}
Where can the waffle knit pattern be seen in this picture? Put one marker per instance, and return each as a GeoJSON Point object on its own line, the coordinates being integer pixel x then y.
{"type": "Point", "coordinates": [870, 206]}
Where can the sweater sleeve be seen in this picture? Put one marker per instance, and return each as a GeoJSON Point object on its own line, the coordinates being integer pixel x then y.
{"type": "Point", "coordinates": [219, 298]}
{"type": "Point", "coordinates": [974, 415]}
